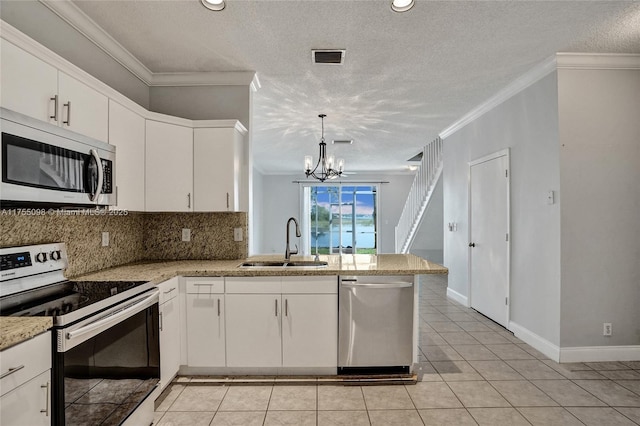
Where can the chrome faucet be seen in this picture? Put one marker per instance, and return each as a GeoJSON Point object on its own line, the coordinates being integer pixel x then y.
{"type": "Point", "coordinates": [288, 252]}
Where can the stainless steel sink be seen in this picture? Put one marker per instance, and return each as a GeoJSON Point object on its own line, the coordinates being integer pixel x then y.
{"type": "Point", "coordinates": [284, 264]}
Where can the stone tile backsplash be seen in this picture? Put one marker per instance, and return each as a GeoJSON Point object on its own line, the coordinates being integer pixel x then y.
{"type": "Point", "coordinates": [134, 237]}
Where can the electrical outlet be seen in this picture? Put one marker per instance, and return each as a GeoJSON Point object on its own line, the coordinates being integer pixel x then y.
{"type": "Point", "coordinates": [607, 329]}
{"type": "Point", "coordinates": [186, 234]}
{"type": "Point", "coordinates": [105, 239]}
{"type": "Point", "coordinates": [237, 234]}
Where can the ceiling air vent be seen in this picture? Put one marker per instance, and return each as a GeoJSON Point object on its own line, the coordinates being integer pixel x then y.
{"type": "Point", "coordinates": [328, 56]}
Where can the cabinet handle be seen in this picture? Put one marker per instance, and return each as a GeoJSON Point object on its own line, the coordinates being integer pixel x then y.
{"type": "Point", "coordinates": [276, 307]}
{"type": "Point", "coordinates": [170, 290]}
{"type": "Point", "coordinates": [189, 200]}
{"type": "Point", "coordinates": [227, 201]}
{"type": "Point", "coordinates": [11, 371]}
{"type": "Point", "coordinates": [68, 105]}
{"type": "Point", "coordinates": [46, 409]}
{"type": "Point", "coordinates": [218, 307]}
{"type": "Point", "coordinates": [55, 108]}
{"type": "Point", "coordinates": [286, 307]}
{"type": "Point", "coordinates": [160, 317]}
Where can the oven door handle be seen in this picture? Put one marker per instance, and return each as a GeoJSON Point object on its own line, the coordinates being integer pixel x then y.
{"type": "Point", "coordinates": [112, 318]}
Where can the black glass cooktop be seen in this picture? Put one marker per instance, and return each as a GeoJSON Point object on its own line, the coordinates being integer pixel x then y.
{"type": "Point", "coordinates": [61, 298]}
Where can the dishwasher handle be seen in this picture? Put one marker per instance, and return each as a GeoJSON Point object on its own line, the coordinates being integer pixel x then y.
{"type": "Point", "coordinates": [394, 284]}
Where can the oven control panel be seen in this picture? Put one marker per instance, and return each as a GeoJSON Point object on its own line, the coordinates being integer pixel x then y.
{"type": "Point", "coordinates": [24, 261]}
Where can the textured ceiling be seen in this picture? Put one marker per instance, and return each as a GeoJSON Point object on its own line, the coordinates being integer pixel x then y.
{"type": "Point", "coordinates": [406, 76]}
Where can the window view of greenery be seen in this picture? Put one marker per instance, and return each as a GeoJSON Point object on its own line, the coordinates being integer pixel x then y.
{"type": "Point", "coordinates": [343, 220]}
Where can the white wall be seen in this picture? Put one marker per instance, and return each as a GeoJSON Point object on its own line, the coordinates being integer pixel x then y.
{"type": "Point", "coordinates": [256, 237]}
{"type": "Point", "coordinates": [281, 200]}
{"type": "Point", "coordinates": [429, 239]}
{"type": "Point", "coordinates": [527, 124]}
{"type": "Point", "coordinates": [600, 181]}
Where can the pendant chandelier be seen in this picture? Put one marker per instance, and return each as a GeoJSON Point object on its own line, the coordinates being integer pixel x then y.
{"type": "Point", "coordinates": [324, 169]}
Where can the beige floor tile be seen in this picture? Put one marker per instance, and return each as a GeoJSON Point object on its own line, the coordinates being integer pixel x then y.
{"type": "Point", "coordinates": [343, 418]}
{"type": "Point", "coordinates": [387, 398]}
{"type": "Point", "coordinates": [508, 335]}
{"type": "Point", "coordinates": [395, 418]}
{"type": "Point", "coordinates": [632, 385]}
{"type": "Point", "coordinates": [478, 394]}
{"type": "Point", "coordinates": [549, 416]}
{"type": "Point", "coordinates": [523, 394]}
{"type": "Point", "coordinates": [292, 418]}
{"type": "Point", "coordinates": [453, 371]}
{"type": "Point", "coordinates": [431, 340]}
{"type": "Point", "coordinates": [475, 352]}
{"type": "Point", "coordinates": [509, 351]}
{"type": "Point", "coordinates": [431, 317]}
{"type": "Point", "coordinates": [445, 326]}
{"type": "Point", "coordinates": [495, 370]}
{"type": "Point", "coordinates": [182, 418]}
{"type": "Point", "coordinates": [246, 398]}
{"type": "Point", "coordinates": [469, 326]}
{"type": "Point", "coordinates": [610, 392]}
{"type": "Point", "coordinates": [199, 398]}
{"type": "Point", "coordinates": [293, 398]}
{"type": "Point", "coordinates": [498, 417]}
{"type": "Point", "coordinates": [426, 372]}
{"type": "Point", "coordinates": [238, 418]}
{"type": "Point", "coordinates": [169, 396]}
{"type": "Point", "coordinates": [489, 337]}
{"type": "Point", "coordinates": [567, 393]}
{"type": "Point", "coordinates": [459, 316]}
{"type": "Point", "coordinates": [459, 338]}
{"type": "Point", "coordinates": [532, 351]}
{"type": "Point", "coordinates": [447, 417]}
{"type": "Point", "coordinates": [621, 374]}
{"type": "Point", "coordinates": [335, 398]}
{"type": "Point", "coordinates": [157, 415]}
{"type": "Point", "coordinates": [432, 395]}
{"type": "Point", "coordinates": [631, 412]}
{"type": "Point", "coordinates": [574, 371]}
{"type": "Point", "coordinates": [533, 369]}
{"type": "Point", "coordinates": [599, 416]}
{"type": "Point", "coordinates": [606, 365]}
{"type": "Point", "coordinates": [632, 364]}
{"type": "Point", "coordinates": [441, 353]}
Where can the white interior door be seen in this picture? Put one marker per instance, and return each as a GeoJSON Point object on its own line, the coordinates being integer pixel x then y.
{"type": "Point", "coordinates": [489, 243]}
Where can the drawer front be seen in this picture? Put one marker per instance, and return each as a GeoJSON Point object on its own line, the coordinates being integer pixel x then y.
{"type": "Point", "coordinates": [25, 360]}
{"type": "Point", "coordinates": [254, 285]}
{"type": "Point", "coordinates": [307, 284]}
{"type": "Point", "coordinates": [213, 285]}
{"type": "Point", "coordinates": [168, 290]}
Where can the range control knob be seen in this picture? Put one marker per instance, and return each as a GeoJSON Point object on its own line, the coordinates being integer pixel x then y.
{"type": "Point", "coordinates": [41, 257]}
{"type": "Point", "coordinates": [55, 255]}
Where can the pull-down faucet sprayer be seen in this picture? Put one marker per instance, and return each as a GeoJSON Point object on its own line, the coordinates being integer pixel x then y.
{"type": "Point", "coordinates": [288, 252]}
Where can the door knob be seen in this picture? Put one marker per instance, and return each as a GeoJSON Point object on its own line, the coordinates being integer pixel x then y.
{"type": "Point", "coordinates": [472, 244]}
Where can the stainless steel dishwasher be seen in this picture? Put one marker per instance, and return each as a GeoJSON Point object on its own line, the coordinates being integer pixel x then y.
{"type": "Point", "coordinates": [375, 334]}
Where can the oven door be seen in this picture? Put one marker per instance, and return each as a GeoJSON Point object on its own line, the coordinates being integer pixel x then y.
{"type": "Point", "coordinates": [105, 366]}
{"type": "Point", "coordinates": [43, 167]}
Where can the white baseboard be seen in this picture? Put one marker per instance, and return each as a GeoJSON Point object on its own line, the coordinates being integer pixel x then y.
{"type": "Point", "coordinates": [600, 353]}
{"type": "Point", "coordinates": [460, 298]}
{"type": "Point", "coordinates": [532, 339]}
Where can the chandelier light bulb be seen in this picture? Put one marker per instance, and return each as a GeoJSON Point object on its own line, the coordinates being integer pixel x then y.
{"type": "Point", "coordinates": [308, 162]}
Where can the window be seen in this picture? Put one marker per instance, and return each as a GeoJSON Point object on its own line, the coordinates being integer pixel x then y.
{"type": "Point", "coordinates": [340, 219]}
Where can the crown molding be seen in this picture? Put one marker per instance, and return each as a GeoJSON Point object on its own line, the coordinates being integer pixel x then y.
{"type": "Point", "coordinates": [79, 20]}
{"type": "Point", "coordinates": [208, 124]}
{"type": "Point", "coordinates": [598, 61]}
{"type": "Point", "coordinates": [529, 78]}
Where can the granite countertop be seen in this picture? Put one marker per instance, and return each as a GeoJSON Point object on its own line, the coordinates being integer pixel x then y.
{"type": "Point", "coordinates": [358, 264]}
{"type": "Point", "coordinates": [14, 330]}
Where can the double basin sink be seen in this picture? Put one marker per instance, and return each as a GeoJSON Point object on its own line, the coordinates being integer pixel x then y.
{"type": "Point", "coordinates": [285, 264]}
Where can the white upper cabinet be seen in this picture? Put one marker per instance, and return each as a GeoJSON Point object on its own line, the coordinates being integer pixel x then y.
{"type": "Point", "coordinates": [217, 169]}
{"type": "Point", "coordinates": [127, 133]}
{"type": "Point", "coordinates": [32, 87]}
{"type": "Point", "coordinates": [82, 109]}
{"type": "Point", "coordinates": [29, 85]}
{"type": "Point", "coordinates": [168, 167]}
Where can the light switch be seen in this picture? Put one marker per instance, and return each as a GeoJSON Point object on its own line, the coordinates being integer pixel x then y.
{"type": "Point", "coordinates": [550, 197]}
{"type": "Point", "coordinates": [237, 234]}
{"type": "Point", "coordinates": [186, 234]}
{"type": "Point", "coordinates": [105, 239]}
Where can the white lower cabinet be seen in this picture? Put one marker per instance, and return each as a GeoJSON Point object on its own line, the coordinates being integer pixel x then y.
{"type": "Point", "coordinates": [25, 383]}
{"type": "Point", "coordinates": [205, 322]}
{"type": "Point", "coordinates": [169, 331]}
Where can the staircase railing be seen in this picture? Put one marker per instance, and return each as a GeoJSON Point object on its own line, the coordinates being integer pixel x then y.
{"type": "Point", "coordinates": [419, 195]}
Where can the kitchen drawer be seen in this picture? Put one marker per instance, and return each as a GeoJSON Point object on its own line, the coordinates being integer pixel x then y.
{"type": "Point", "coordinates": [29, 359]}
{"type": "Point", "coordinates": [205, 285]}
{"type": "Point", "coordinates": [254, 285]}
{"type": "Point", "coordinates": [168, 290]}
{"type": "Point", "coordinates": [307, 284]}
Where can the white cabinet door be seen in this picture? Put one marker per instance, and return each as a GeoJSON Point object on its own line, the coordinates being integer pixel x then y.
{"type": "Point", "coordinates": [28, 404]}
{"type": "Point", "coordinates": [310, 330]}
{"type": "Point", "coordinates": [253, 330]}
{"type": "Point", "coordinates": [168, 167]}
{"type": "Point", "coordinates": [127, 133]}
{"type": "Point", "coordinates": [28, 84]}
{"type": "Point", "coordinates": [82, 109]}
{"type": "Point", "coordinates": [169, 341]}
{"type": "Point", "coordinates": [216, 169]}
{"type": "Point", "coordinates": [205, 330]}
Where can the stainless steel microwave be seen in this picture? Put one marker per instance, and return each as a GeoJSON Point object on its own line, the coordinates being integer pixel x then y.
{"type": "Point", "coordinates": [45, 165]}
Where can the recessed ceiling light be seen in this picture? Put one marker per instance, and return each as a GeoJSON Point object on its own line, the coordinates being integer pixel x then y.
{"type": "Point", "coordinates": [402, 5]}
{"type": "Point", "coordinates": [213, 4]}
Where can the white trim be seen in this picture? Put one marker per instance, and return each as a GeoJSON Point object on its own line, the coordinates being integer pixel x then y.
{"type": "Point", "coordinates": [493, 156]}
{"type": "Point", "coordinates": [458, 297]}
{"type": "Point", "coordinates": [228, 78]}
{"type": "Point", "coordinates": [537, 342]}
{"type": "Point", "coordinates": [598, 61]}
{"type": "Point", "coordinates": [220, 123]}
{"type": "Point", "coordinates": [600, 353]}
{"type": "Point", "coordinates": [529, 78]}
